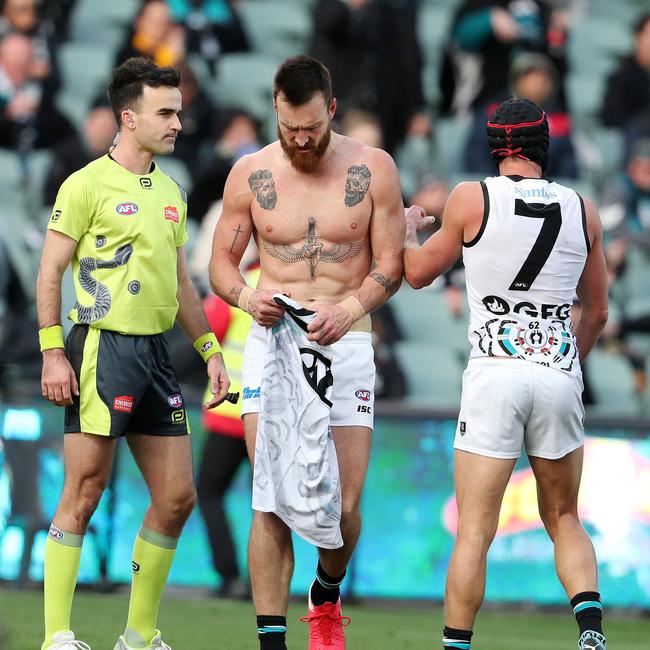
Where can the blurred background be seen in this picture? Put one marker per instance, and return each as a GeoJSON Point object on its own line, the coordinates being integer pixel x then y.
{"type": "Point", "coordinates": [417, 78]}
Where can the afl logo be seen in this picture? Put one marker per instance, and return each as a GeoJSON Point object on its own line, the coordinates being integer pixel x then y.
{"type": "Point", "coordinates": [363, 395]}
{"type": "Point", "coordinates": [127, 208]}
{"type": "Point", "coordinates": [175, 401]}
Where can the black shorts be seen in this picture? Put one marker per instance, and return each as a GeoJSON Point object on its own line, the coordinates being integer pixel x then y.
{"type": "Point", "coordinates": [126, 385]}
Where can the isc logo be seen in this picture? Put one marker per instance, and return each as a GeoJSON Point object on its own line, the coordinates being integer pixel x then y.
{"type": "Point", "coordinates": [364, 408]}
{"type": "Point", "coordinates": [127, 208]}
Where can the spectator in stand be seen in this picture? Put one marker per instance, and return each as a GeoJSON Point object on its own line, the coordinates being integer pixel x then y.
{"type": "Point", "coordinates": [28, 117]}
{"type": "Point", "coordinates": [627, 95]}
{"type": "Point", "coordinates": [532, 76]}
{"type": "Point", "coordinates": [77, 151]}
{"type": "Point", "coordinates": [626, 208]}
{"type": "Point", "coordinates": [486, 35]}
{"type": "Point", "coordinates": [237, 134]}
{"type": "Point", "coordinates": [57, 13]}
{"type": "Point", "coordinates": [212, 26]}
{"type": "Point", "coordinates": [155, 36]}
{"type": "Point", "coordinates": [22, 17]}
{"type": "Point", "coordinates": [372, 50]}
{"type": "Point", "coordinates": [197, 119]}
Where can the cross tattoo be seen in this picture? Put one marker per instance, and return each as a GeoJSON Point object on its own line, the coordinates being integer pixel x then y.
{"type": "Point", "coordinates": [238, 231]}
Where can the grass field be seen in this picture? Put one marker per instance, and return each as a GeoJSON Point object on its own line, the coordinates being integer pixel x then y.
{"type": "Point", "coordinates": [204, 624]}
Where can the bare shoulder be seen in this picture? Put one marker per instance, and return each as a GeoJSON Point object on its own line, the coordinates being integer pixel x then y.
{"type": "Point", "coordinates": [376, 160]}
{"type": "Point", "coordinates": [464, 207]}
{"type": "Point", "coordinates": [592, 219]}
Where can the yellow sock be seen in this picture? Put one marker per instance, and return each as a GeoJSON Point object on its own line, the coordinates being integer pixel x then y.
{"type": "Point", "coordinates": [152, 558]}
{"type": "Point", "coordinates": [62, 553]}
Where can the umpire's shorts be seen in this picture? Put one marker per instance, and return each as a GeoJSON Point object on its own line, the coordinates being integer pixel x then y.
{"type": "Point", "coordinates": [126, 385]}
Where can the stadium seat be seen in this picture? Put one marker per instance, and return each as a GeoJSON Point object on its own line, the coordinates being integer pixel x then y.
{"type": "Point", "coordinates": [177, 169]}
{"type": "Point", "coordinates": [433, 373]}
{"type": "Point", "coordinates": [101, 21]}
{"type": "Point", "coordinates": [612, 381]}
{"type": "Point", "coordinates": [432, 26]}
{"type": "Point", "coordinates": [85, 70]}
{"type": "Point", "coordinates": [246, 81]}
{"type": "Point", "coordinates": [281, 28]}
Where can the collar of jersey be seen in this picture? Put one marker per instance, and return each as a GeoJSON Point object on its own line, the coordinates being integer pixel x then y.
{"type": "Point", "coordinates": [151, 170]}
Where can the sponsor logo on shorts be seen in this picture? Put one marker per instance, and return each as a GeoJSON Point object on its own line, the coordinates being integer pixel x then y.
{"type": "Point", "coordinates": [206, 346]}
{"type": "Point", "coordinates": [250, 393]}
{"type": "Point", "coordinates": [363, 394]}
{"type": "Point", "coordinates": [123, 403]}
{"type": "Point", "coordinates": [56, 215]}
{"type": "Point", "coordinates": [127, 208]}
{"type": "Point", "coordinates": [178, 416]}
{"type": "Point", "coordinates": [171, 213]}
{"type": "Point", "coordinates": [364, 408]}
{"type": "Point", "coordinates": [146, 183]}
{"type": "Point", "coordinates": [135, 566]}
{"type": "Point", "coordinates": [462, 427]}
{"type": "Point", "coordinates": [55, 533]}
{"type": "Point", "coordinates": [175, 401]}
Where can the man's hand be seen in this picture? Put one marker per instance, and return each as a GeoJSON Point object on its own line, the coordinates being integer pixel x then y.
{"type": "Point", "coordinates": [263, 308]}
{"type": "Point", "coordinates": [219, 381]}
{"type": "Point", "coordinates": [330, 324]}
{"type": "Point", "coordinates": [417, 219]}
{"type": "Point", "coordinates": [58, 381]}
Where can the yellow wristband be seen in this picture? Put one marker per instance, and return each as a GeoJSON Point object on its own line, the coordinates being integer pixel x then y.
{"type": "Point", "coordinates": [207, 346]}
{"type": "Point", "coordinates": [354, 306]}
{"type": "Point", "coordinates": [244, 297]}
{"type": "Point", "coordinates": [51, 337]}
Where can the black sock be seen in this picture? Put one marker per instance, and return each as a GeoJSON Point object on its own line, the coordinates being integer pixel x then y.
{"type": "Point", "coordinates": [272, 632]}
{"type": "Point", "coordinates": [588, 611]}
{"type": "Point", "coordinates": [451, 635]}
{"type": "Point", "coordinates": [326, 588]}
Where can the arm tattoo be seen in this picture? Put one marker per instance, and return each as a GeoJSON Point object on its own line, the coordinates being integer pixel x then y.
{"type": "Point", "coordinates": [263, 187]}
{"type": "Point", "coordinates": [356, 184]}
{"type": "Point", "coordinates": [312, 251]}
{"type": "Point", "coordinates": [238, 231]}
{"type": "Point", "coordinates": [390, 286]}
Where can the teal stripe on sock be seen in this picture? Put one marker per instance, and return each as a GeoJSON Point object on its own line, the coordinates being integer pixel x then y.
{"type": "Point", "coordinates": [277, 629]}
{"type": "Point", "coordinates": [586, 605]}
{"type": "Point", "coordinates": [456, 644]}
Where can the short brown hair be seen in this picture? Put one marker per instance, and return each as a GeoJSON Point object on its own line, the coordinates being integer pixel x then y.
{"type": "Point", "coordinates": [130, 78]}
{"type": "Point", "coordinates": [300, 77]}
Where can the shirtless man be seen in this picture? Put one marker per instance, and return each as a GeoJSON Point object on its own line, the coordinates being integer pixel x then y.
{"type": "Point", "coordinates": [322, 208]}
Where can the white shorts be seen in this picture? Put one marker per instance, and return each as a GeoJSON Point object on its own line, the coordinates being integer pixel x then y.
{"type": "Point", "coordinates": [507, 403]}
{"type": "Point", "coordinates": [353, 371]}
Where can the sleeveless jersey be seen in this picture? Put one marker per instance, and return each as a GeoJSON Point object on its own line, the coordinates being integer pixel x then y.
{"type": "Point", "coordinates": [522, 270]}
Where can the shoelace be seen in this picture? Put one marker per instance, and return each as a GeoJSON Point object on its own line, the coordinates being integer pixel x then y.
{"type": "Point", "coordinates": [327, 617]}
{"type": "Point", "coordinates": [75, 644]}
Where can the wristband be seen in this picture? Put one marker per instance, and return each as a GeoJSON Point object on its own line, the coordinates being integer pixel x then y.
{"type": "Point", "coordinates": [51, 337]}
{"type": "Point", "coordinates": [244, 297]}
{"type": "Point", "coordinates": [354, 306]}
{"type": "Point", "coordinates": [207, 346]}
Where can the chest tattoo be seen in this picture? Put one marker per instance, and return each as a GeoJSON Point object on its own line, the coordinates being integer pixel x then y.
{"type": "Point", "coordinates": [312, 251]}
{"type": "Point", "coordinates": [263, 187]}
{"type": "Point", "coordinates": [357, 183]}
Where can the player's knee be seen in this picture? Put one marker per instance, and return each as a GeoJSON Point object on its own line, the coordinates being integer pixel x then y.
{"type": "Point", "coordinates": [350, 511]}
{"type": "Point", "coordinates": [555, 519]}
{"type": "Point", "coordinates": [178, 507]}
{"type": "Point", "coordinates": [477, 538]}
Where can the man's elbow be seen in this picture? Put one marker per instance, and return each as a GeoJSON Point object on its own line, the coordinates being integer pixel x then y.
{"type": "Point", "coordinates": [596, 315]}
{"type": "Point", "coordinates": [416, 279]}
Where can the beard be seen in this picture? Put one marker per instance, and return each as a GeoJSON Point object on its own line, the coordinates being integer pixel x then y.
{"type": "Point", "coordinates": [305, 163]}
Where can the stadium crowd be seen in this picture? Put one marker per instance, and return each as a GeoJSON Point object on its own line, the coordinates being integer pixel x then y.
{"type": "Point", "coordinates": [416, 77]}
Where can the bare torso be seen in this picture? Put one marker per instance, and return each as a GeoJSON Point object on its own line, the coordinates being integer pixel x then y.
{"type": "Point", "coordinates": [313, 230]}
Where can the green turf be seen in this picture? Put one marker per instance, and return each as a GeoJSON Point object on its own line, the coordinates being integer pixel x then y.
{"type": "Point", "coordinates": [201, 624]}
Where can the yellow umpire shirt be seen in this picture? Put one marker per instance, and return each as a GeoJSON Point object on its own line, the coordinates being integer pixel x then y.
{"type": "Point", "coordinates": [128, 227]}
